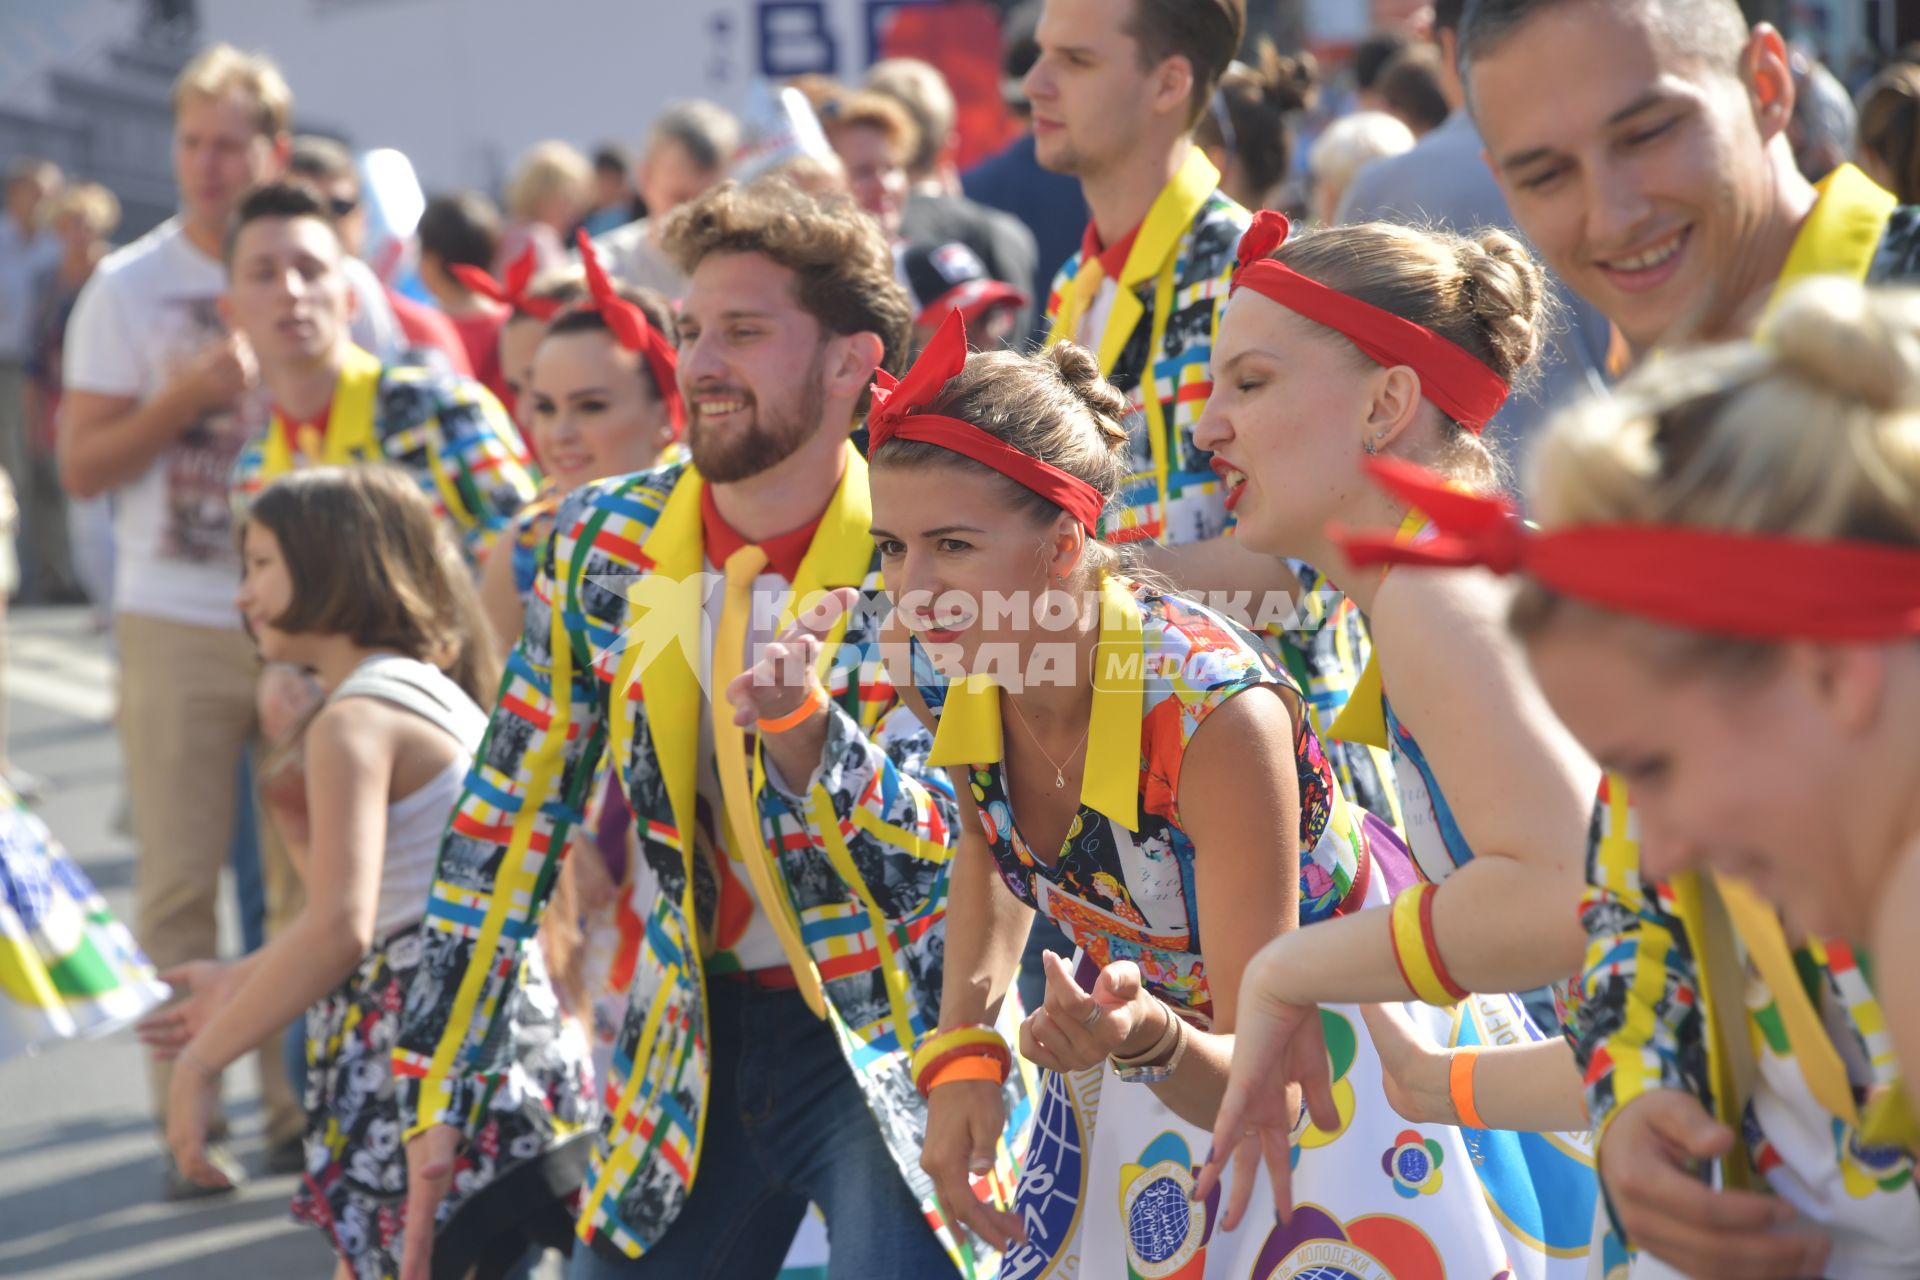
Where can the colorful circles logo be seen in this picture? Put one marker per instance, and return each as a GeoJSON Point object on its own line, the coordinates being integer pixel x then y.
{"type": "Point", "coordinates": [1413, 1163]}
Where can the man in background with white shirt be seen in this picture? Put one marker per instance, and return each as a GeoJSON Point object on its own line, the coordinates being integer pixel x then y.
{"type": "Point", "coordinates": [159, 399]}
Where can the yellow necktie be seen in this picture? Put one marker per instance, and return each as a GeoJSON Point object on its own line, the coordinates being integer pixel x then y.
{"type": "Point", "coordinates": [736, 771]}
{"type": "Point", "coordinates": [1759, 928]}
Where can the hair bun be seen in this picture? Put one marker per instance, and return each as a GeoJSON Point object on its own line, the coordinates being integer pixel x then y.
{"type": "Point", "coordinates": [1507, 294]}
{"type": "Point", "coordinates": [1860, 344]}
{"type": "Point", "coordinates": [1080, 371]}
{"type": "Point", "coordinates": [1287, 83]}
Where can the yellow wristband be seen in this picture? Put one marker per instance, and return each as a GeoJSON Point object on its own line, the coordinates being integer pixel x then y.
{"type": "Point", "coordinates": [985, 1039]}
{"type": "Point", "coordinates": [1415, 951]}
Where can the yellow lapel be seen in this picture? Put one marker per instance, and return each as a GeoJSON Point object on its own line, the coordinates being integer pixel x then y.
{"type": "Point", "coordinates": [969, 729]}
{"type": "Point", "coordinates": [1167, 223]}
{"type": "Point", "coordinates": [350, 435]}
{"type": "Point", "coordinates": [667, 615]}
{"type": "Point", "coordinates": [840, 554]}
{"type": "Point", "coordinates": [1841, 234]}
{"type": "Point", "coordinates": [1364, 719]}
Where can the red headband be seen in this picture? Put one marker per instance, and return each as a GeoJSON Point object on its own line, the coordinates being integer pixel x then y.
{"type": "Point", "coordinates": [893, 418]}
{"type": "Point", "coordinates": [1753, 586]}
{"type": "Point", "coordinates": [1464, 388]}
{"type": "Point", "coordinates": [513, 292]}
{"type": "Point", "coordinates": [632, 330]}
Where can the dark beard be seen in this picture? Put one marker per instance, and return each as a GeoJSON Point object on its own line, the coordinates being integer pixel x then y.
{"type": "Point", "coordinates": [769, 440]}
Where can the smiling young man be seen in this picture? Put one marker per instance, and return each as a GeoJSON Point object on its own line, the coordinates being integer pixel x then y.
{"type": "Point", "coordinates": [791, 957]}
{"type": "Point", "coordinates": [335, 404]}
{"type": "Point", "coordinates": [1661, 186]}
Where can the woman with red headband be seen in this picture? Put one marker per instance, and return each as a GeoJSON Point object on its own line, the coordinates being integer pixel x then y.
{"type": "Point", "coordinates": [1138, 769]}
{"type": "Point", "coordinates": [531, 304]}
{"type": "Point", "coordinates": [1382, 341]}
{"type": "Point", "coordinates": [1724, 606]}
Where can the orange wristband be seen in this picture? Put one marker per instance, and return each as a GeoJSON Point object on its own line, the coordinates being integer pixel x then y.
{"type": "Point", "coordinates": [1460, 1086]}
{"type": "Point", "coordinates": [973, 1068]}
{"type": "Point", "coordinates": [816, 699]}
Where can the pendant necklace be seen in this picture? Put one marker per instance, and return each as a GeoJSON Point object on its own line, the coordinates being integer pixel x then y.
{"type": "Point", "coordinates": [1059, 773]}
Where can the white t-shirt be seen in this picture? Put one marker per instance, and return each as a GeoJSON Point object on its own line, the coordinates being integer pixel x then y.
{"type": "Point", "coordinates": [147, 309]}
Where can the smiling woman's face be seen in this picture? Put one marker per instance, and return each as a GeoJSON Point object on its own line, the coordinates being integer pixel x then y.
{"type": "Point", "coordinates": [964, 565]}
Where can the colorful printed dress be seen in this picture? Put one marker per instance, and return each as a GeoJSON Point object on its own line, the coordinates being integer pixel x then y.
{"type": "Point", "coordinates": [67, 967]}
{"type": "Point", "coordinates": [1104, 1188]}
{"type": "Point", "coordinates": [541, 1102]}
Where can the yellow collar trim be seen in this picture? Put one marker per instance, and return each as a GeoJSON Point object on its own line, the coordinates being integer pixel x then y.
{"type": "Point", "coordinates": [969, 731]}
{"type": "Point", "coordinates": [350, 434]}
{"type": "Point", "coordinates": [1841, 233]}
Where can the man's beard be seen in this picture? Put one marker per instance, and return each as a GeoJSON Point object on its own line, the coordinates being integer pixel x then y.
{"type": "Point", "coordinates": [768, 440]}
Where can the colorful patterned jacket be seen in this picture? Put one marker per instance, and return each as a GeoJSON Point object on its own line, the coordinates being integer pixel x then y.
{"type": "Point", "coordinates": [862, 859]}
{"type": "Point", "coordinates": [447, 432]}
{"type": "Point", "coordinates": [1647, 1014]}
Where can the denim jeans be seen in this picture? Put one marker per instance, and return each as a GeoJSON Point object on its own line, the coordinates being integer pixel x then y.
{"type": "Point", "coordinates": [786, 1124]}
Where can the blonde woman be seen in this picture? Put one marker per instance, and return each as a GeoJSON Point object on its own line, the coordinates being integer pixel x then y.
{"type": "Point", "coordinates": [1757, 694]}
{"type": "Point", "coordinates": [551, 188]}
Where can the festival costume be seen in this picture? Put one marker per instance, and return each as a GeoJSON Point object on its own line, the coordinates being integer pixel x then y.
{"type": "Point", "coordinates": [448, 433]}
{"type": "Point", "coordinates": [67, 968]}
{"type": "Point", "coordinates": [1104, 1189]}
{"type": "Point", "coordinates": [355, 1184]}
{"type": "Point", "coordinates": [1149, 309]}
{"type": "Point", "coordinates": [849, 873]}
{"type": "Point", "coordinates": [1660, 1002]}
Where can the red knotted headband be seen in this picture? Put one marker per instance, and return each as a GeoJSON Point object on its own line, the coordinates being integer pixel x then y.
{"type": "Point", "coordinates": [631, 329]}
{"type": "Point", "coordinates": [1753, 586]}
{"type": "Point", "coordinates": [513, 290]}
{"type": "Point", "coordinates": [1464, 388]}
{"type": "Point", "coordinates": [893, 418]}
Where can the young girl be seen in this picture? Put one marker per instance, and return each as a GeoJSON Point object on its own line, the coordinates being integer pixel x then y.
{"type": "Point", "coordinates": [1379, 340]}
{"type": "Point", "coordinates": [1748, 668]}
{"type": "Point", "coordinates": [1135, 768]}
{"type": "Point", "coordinates": [348, 574]}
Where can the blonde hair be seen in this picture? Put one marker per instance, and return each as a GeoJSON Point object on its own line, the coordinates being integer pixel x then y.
{"type": "Point", "coordinates": [864, 109]}
{"type": "Point", "coordinates": [548, 169]}
{"type": "Point", "coordinates": [220, 69]}
{"type": "Point", "coordinates": [1352, 142]}
{"type": "Point", "coordinates": [1815, 434]}
{"type": "Point", "coordinates": [89, 201]}
{"type": "Point", "coordinates": [1485, 294]}
{"type": "Point", "coordinates": [1053, 406]}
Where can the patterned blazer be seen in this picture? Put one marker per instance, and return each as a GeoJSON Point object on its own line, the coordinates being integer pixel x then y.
{"type": "Point", "coordinates": [447, 432]}
{"type": "Point", "coordinates": [861, 859]}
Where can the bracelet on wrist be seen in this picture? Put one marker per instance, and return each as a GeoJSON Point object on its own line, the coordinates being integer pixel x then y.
{"type": "Point", "coordinates": [816, 699]}
{"type": "Point", "coordinates": [983, 1069]}
{"type": "Point", "coordinates": [940, 1050]}
{"type": "Point", "coordinates": [1416, 951]}
{"type": "Point", "coordinates": [1158, 1062]}
{"type": "Point", "coordinates": [1460, 1070]}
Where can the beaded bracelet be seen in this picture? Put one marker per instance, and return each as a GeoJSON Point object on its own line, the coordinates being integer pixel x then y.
{"type": "Point", "coordinates": [943, 1048]}
{"type": "Point", "coordinates": [816, 699]}
{"type": "Point", "coordinates": [1415, 950]}
{"type": "Point", "coordinates": [1460, 1085]}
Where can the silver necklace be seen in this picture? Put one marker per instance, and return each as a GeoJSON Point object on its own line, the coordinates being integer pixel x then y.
{"type": "Point", "coordinates": [1059, 773]}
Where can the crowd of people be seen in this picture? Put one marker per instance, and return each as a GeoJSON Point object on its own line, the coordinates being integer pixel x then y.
{"type": "Point", "coordinates": [670, 680]}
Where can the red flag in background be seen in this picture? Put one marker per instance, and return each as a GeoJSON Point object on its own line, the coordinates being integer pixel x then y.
{"type": "Point", "coordinates": [962, 38]}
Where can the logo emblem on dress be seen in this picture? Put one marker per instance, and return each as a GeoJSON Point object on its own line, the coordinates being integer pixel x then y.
{"type": "Point", "coordinates": [1166, 1232]}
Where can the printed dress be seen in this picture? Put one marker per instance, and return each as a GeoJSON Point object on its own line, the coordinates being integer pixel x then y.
{"type": "Point", "coordinates": [67, 967]}
{"type": "Point", "coordinates": [1104, 1188]}
{"type": "Point", "coordinates": [356, 1177]}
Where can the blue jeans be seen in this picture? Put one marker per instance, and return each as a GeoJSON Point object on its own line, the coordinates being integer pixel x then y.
{"type": "Point", "coordinates": [786, 1124]}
